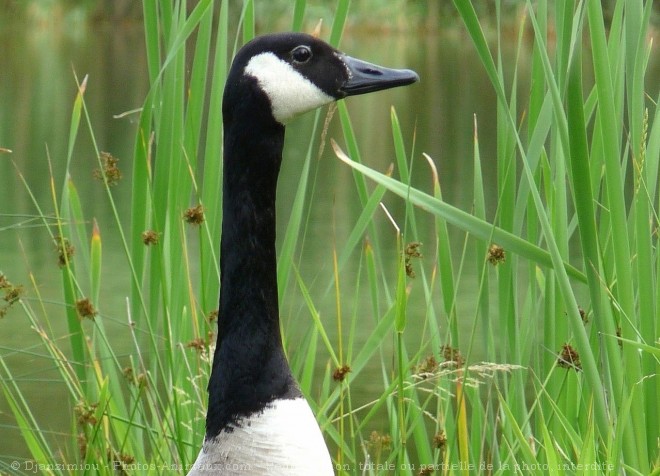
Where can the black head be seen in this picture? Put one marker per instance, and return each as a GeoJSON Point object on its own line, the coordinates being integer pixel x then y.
{"type": "Point", "coordinates": [298, 73]}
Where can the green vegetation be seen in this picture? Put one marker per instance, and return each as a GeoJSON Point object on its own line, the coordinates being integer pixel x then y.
{"type": "Point", "coordinates": [567, 298]}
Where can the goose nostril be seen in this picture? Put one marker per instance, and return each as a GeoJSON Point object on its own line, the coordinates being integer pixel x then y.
{"type": "Point", "coordinates": [371, 71]}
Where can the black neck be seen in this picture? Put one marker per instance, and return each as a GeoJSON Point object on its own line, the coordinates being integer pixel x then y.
{"type": "Point", "coordinates": [249, 367]}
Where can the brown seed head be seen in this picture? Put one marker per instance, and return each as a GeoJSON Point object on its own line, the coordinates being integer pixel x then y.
{"type": "Point", "coordinates": [194, 215]}
{"type": "Point", "coordinates": [340, 373]}
{"type": "Point", "coordinates": [569, 358]}
{"type": "Point", "coordinates": [86, 309]}
{"type": "Point", "coordinates": [109, 169]}
{"type": "Point", "coordinates": [150, 237]}
{"type": "Point", "coordinates": [496, 255]}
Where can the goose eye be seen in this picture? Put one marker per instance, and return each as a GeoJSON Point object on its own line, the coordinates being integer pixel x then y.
{"type": "Point", "coordinates": [301, 54]}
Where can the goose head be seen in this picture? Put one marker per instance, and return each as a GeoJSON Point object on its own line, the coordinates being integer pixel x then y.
{"type": "Point", "coordinates": [287, 74]}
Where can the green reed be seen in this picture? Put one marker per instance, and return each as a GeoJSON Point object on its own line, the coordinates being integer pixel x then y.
{"type": "Point", "coordinates": [573, 160]}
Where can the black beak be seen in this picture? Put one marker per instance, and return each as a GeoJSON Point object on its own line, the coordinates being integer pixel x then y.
{"type": "Point", "coordinates": [366, 77]}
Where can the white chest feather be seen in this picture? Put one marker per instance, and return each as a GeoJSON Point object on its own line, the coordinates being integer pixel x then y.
{"type": "Point", "coordinates": [290, 93]}
{"type": "Point", "coordinates": [283, 440]}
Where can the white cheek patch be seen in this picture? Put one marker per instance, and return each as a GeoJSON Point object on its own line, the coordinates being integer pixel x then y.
{"type": "Point", "coordinates": [289, 92]}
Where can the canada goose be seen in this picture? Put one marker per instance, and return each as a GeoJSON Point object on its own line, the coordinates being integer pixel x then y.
{"type": "Point", "coordinates": [258, 422]}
